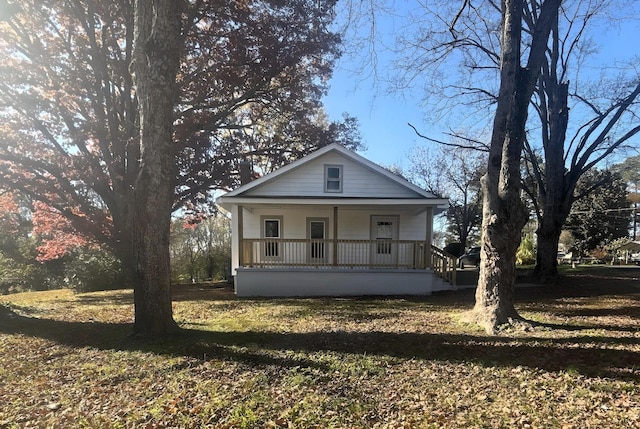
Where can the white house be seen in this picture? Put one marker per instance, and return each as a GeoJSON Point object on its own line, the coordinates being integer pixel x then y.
{"type": "Point", "coordinates": [334, 223]}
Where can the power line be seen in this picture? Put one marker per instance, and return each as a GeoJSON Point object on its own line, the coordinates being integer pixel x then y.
{"type": "Point", "coordinates": [604, 210]}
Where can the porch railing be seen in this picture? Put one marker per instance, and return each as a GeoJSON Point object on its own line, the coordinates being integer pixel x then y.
{"type": "Point", "coordinates": [444, 265]}
{"type": "Point", "coordinates": [327, 253]}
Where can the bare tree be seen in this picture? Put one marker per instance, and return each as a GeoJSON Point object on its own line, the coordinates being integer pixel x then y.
{"type": "Point", "coordinates": [485, 37]}
{"type": "Point", "coordinates": [485, 58]}
{"type": "Point", "coordinates": [454, 174]}
{"type": "Point", "coordinates": [504, 213]}
{"type": "Point", "coordinates": [603, 113]}
{"type": "Point", "coordinates": [607, 120]}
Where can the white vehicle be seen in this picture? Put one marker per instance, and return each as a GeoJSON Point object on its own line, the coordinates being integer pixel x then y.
{"type": "Point", "coordinates": [564, 258]}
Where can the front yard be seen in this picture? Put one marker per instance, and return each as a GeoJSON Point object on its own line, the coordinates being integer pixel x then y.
{"type": "Point", "coordinates": [66, 361]}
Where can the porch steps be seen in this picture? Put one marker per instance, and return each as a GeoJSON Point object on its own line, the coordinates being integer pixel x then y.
{"type": "Point", "coordinates": [439, 284]}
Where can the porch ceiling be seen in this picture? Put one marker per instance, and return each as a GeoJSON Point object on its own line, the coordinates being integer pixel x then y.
{"type": "Point", "coordinates": [417, 205]}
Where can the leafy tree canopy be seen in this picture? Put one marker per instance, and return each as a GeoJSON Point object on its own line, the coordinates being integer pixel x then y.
{"type": "Point", "coordinates": [601, 216]}
{"type": "Point", "coordinates": [250, 81]}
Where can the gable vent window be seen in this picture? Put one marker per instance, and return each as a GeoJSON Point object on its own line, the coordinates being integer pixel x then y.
{"type": "Point", "coordinates": [333, 178]}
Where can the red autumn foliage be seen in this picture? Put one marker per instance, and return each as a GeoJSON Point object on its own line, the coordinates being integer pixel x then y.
{"type": "Point", "coordinates": [58, 234]}
{"type": "Point", "coordinates": [250, 85]}
{"type": "Point", "coordinates": [9, 214]}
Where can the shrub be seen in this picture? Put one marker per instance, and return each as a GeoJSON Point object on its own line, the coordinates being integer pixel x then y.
{"type": "Point", "coordinates": [455, 249]}
{"type": "Point", "coordinates": [24, 275]}
{"type": "Point", "coordinates": [526, 253]}
{"type": "Point", "coordinates": [92, 270]}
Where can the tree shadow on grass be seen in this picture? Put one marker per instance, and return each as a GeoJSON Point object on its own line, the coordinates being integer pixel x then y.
{"type": "Point", "coordinates": [630, 311]}
{"type": "Point", "coordinates": [593, 327]}
{"type": "Point", "coordinates": [592, 356]}
{"type": "Point", "coordinates": [115, 297]}
{"type": "Point", "coordinates": [117, 336]}
{"type": "Point", "coordinates": [581, 286]}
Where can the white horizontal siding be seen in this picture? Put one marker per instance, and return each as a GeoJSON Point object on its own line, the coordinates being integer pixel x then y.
{"type": "Point", "coordinates": [308, 181]}
{"type": "Point", "coordinates": [413, 227]}
{"type": "Point", "coordinates": [294, 221]}
{"type": "Point", "coordinates": [352, 224]}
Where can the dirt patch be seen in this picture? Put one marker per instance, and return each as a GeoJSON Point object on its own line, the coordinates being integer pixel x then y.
{"type": "Point", "coordinates": [205, 290]}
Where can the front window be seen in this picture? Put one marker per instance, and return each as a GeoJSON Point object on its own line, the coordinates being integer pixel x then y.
{"type": "Point", "coordinates": [272, 228]}
{"type": "Point", "coordinates": [333, 178]}
{"type": "Point", "coordinates": [271, 231]}
{"type": "Point", "coordinates": [384, 237]}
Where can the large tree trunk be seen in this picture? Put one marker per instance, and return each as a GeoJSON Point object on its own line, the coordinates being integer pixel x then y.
{"type": "Point", "coordinates": [546, 270]}
{"type": "Point", "coordinates": [555, 188]}
{"type": "Point", "coordinates": [157, 50]}
{"type": "Point", "coordinates": [504, 214]}
{"type": "Point", "coordinates": [556, 204]}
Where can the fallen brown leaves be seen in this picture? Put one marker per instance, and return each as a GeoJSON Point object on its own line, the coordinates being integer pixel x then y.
{"type": "Point", "coordinates": [66, 361]}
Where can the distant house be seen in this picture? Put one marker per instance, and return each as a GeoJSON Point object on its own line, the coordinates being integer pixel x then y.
{"type": "Point", "coordinates": [631, 251]}
{"type": "Point", "coordinates": [334, 223]}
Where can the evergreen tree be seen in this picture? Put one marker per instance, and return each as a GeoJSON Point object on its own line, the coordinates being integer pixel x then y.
{"type": "Point", "coordinates": [601, 215]}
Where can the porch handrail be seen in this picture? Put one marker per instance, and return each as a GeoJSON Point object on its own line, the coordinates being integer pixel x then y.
{"type": "Point", "coordinates": [351, 253]}
{"type": "Point", "coordinates": [444, 264]}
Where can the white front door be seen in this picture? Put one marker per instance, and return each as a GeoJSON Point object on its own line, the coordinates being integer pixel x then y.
{"type": "Point", "coordinates": [316, 235]}
{"type": "Point", "coordinates": [384, 231]}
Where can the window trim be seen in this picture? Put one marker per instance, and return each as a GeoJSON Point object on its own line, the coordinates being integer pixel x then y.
{"type": "Point", "coordinates": [339, 180]}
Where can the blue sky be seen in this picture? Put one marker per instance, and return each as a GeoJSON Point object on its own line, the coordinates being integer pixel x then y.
{"type": "Point", "coordinates": [383, 118]}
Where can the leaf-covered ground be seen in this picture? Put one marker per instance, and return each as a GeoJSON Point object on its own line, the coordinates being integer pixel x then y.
{"type": "Point", "coordinates": [67, 361]}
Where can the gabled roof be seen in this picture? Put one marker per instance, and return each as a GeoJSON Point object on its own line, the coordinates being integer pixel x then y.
{"type": "Point", "coordinates": [248, 190]}
{"type": "Point", "coordinates": [632, 246]}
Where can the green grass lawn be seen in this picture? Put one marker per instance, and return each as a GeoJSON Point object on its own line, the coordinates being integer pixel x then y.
{"type": "Point", "coordinates": [67, 361]}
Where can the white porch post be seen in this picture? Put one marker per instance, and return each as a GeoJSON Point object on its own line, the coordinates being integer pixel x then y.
{"type": "Point", "coordinates": [334, 258]}
{"type": "Point", "coordinates": [429, 236]}
{"type": "Point", "coordinates": [240, 234]}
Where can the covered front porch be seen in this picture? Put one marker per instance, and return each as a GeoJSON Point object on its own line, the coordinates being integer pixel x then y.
{"type": "Point", "coordinates": [301, 267]}
{"type": "Point", "coordinates": [314, 250]}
